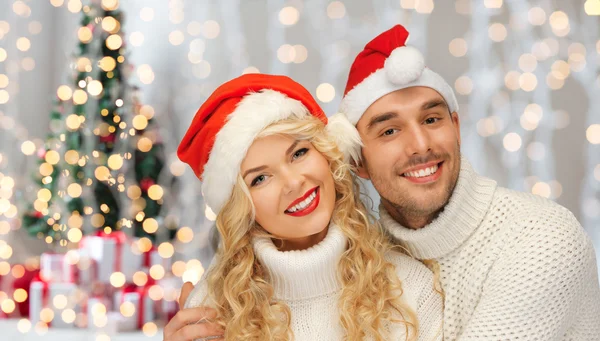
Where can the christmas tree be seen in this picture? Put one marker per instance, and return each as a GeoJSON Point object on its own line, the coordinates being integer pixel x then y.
{"type": "Point", "coordinates": [103, 152]}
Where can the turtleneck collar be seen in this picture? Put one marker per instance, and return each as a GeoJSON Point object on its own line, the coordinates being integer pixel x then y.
{"type": "Point", "coordinates": [306, 273]}
{"type": "Point", "coordinates": [464, 212]}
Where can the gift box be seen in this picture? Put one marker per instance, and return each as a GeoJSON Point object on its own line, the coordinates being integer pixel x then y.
{"type": "Point", "coordinates": [53, 303]}
{"type": "Point", "coordinates": [97, 309]}
{"type": "Point", "coordinates": [136, 305]}
{"type": "Point", "coordinates": [152, 258]}
{"type": "Point", "coordinates": [11, 284]}
{"type": "Point", "coordinates": [54, 267]}
{"type": "Point", "coordinates": [112, 252]}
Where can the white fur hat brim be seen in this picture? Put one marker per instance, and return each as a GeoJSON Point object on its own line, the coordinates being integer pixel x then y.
{"type": "Point", "coordinates": [404, 68]}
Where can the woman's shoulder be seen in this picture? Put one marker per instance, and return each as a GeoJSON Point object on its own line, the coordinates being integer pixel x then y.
{"type": "Point", "coordinates": [198, 295]}
{"type": "Point", "coordinates": [200, 292]}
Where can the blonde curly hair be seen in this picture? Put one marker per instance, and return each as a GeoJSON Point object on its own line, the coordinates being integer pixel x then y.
{"type": "Point", "coordinates": [238, 285]}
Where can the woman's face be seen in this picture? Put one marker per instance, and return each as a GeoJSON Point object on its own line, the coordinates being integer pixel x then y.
{"type": "Point", "coordinates": [292, 189]}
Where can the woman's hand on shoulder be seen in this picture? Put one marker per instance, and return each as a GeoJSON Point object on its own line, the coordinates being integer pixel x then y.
{"type": "Point", "coordinates": [192, 323]}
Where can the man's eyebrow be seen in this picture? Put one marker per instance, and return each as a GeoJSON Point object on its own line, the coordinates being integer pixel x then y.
{"type": "Point", "coordinates": [434, 103]}
{"type": "Point", "coordinates": [381, 118]}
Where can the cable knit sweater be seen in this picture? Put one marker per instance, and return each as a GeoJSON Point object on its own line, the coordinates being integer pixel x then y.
{"type": "Point", "coordinates": [307, 282]}
{"type": "Point", "coordinates": [514, 266]}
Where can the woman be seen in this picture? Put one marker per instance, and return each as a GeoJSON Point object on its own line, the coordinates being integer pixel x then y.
{"type": "Point", "coordinates": [299, 257]}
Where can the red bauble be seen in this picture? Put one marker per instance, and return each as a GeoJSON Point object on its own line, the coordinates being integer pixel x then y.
{"type": "Point", "coordinates": [146, 183]}
{"type": "Point", "coordinates": [108, 138]}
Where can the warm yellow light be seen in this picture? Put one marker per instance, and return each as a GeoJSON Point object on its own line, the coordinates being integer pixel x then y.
{"type": "Point", "coordinates": [150, 225]}
{"type": "Point", "coordinates": [97, 220]}
{"type": "Point", "coordinates": [64, 92]}
{"type": "Point", "coordinates": [74, 190]}
{"type": "Point", "coordinates": [59, 301]}
{"type": "Point", "coordinates": [117, 279]}
{"type": "Point", "coordinates": [94, 88]}
{"type": "Point", "coordinates": [115, 161]}
{"type": "Point", "coordinates": [71, 156]}
{"type": "Point", "coordinates": [325, 92]}
{"type": "Point", "coordinates": [127, 309]}
{"type": "Point", "coordinates": [144, 144]}
{"type": "Point", "coordinates": [107, 63]}
{"type": "Point", "coordinates": [114, 42]}
{"type": "Point", "coordinates": [80, 97]}
{"type": "Point", "coordinates": [140, 278]}
{"type": "Point", "coordinates": [149, 329]}
{"type": "Point", "coordinates": [28, 147]}
{"type": "Point", "coordinates": [110, 5]}
{"type": "Point", "coordinates": [84, 34]}
{"type": "Point", "coordinates": [289, 16]}
{"type": "Point", "coordinates": [102, 173]}
{"type": "Point", "coordinates": [110, 25]}
{"type": "Point", "coordinates": [52, 157]}
{"type": "Point", "coordinates": [20, 295]}
{"type": "Point", "coordinates": [166, 250]}
{"type": "Point", "coordinates": [185, 234]}
{"type": "Point", "coordinates": [23, 44]}
{"type": "Point", "coordinates": [157, 272]}
{"type": "Point", "coordinates": [147, 111]}
{"type": "Point", "coordinates": [155, 192]}
{"type": "Point", "coordinates": [140, 122]}
{"type": "Point", "coordinates": [44, 194]}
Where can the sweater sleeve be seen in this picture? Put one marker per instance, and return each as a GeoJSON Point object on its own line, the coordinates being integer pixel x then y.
{"type": "Point", "coordinates": [418, 285]}
{"type": "Point", "coordinates": [430, 307]}
{"type": "Point", "coordinates": [544, 285]}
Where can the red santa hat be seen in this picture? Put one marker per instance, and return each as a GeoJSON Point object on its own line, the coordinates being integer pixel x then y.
{"type": "Point", "coordinates": [385, 65]}
{"type": "Point", "coordinates": [225, 126]}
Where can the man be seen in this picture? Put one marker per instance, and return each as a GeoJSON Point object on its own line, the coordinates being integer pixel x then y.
{"type": "Point", "coordinates": [512, 266]}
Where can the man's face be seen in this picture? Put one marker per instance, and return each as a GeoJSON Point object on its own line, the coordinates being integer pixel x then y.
{"type": "Point", "coordinates": [411, 150]}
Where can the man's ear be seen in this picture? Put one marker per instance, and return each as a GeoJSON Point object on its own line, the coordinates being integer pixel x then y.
{"type": "Point", "coordinates": [361, 169]}
{"type": "Point", "coordinates": [456, 123]}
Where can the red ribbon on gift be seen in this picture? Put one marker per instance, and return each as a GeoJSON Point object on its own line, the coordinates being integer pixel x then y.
{"type": "Point", "coordinates": [148, 257]}
{"type": "Point", "coordinates": [120, 238]}
{"type": "Point", "coordinates": [142, 291]}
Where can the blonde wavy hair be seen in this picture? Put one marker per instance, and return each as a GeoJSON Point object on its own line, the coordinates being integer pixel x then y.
{"type": "Point", "coordinates": [238, 285]}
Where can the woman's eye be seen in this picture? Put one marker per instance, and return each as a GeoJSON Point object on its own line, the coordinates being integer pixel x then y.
{"type": "Point", "coordinates": [300, 152]}
{"type": "Point", "coordinates": [258, 180]}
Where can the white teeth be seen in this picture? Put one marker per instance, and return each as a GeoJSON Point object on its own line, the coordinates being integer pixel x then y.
{"type": "Point", "coordinates": [304, 203]}
{"type": "Point", "coordinates": [422, 172]}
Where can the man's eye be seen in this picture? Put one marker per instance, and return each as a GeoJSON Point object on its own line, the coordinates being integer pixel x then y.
{"type": "Point", "coordinates": [389, 132]}
{"type": "Point", "coordinates": [431, 120]}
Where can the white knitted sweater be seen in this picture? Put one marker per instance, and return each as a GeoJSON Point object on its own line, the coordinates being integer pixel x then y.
{"type": "Point", "coordinates": [307, 282]}
{"type": "Point", "coordinates": [514, 266]}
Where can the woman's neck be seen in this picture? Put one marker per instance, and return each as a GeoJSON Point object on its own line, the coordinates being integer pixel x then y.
{"type": "Point", "coordinates": [303, 243]}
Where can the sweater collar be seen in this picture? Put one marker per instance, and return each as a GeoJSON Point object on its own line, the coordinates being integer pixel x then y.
{"type": "Point", "coordinates": [306, 273]}
{"type": "Point", "coordinates": [464, 212]}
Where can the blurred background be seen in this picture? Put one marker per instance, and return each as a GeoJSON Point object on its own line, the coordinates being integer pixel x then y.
{"type": "Point", "coordinates": [95, 207]}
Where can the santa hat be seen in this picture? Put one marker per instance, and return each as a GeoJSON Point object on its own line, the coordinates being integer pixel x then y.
{"type": "Point", "coordinates": [385, 65]}
{"type": "Point", "coordinates": [226, 124]}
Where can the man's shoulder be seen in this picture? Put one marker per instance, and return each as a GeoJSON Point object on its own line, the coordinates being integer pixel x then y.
{"type": "Point", "coordinates": [527, 205]}
{"type": "Point", "coordinates": [537, 219]}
